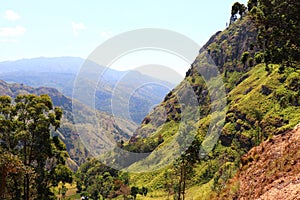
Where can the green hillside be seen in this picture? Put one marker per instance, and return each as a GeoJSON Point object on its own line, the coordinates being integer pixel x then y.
{"type": "Point", "coordinates": [262, 101]}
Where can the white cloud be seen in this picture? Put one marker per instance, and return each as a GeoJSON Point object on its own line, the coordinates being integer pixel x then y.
{"type": "Point", "coordinates": [106, 34]}
{"type": "Point", "coordinates": [77, 27]}
{"type": "Point", "coordinates": [12, 32]}
{"type": "Point", "coordinates": [11, 15]}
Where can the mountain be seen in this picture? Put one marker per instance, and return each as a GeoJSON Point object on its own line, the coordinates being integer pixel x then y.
{"type": "Point", "coordinates": [70, 65]}
{"type": "Point", "coordinates": [259, 102]}
{"type": "Point", "coordinates": [75, 135]}
{"type": "Point", "coordinates": [135, 91]}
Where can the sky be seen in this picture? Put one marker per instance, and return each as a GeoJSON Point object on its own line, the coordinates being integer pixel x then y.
{"type": "Point", "coordinates": [55, 28]}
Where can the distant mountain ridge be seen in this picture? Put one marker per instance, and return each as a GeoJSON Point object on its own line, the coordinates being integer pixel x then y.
{"type": "Point", "coordinates": [43, 64]}
{"type": "Point", "coordinates": [61, 73]}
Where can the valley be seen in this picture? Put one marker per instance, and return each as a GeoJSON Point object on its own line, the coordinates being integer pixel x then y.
{"type": "Point", "coordinates": [229, 130]}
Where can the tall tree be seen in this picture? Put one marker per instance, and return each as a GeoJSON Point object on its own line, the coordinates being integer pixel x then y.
{"type": "Point", "coordinates": [184, 167]}
{"type": "Point", "coordinates": [26, 125]}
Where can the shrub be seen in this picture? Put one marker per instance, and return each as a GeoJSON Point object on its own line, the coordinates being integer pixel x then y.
{"type": "Point", "coordinates": [258, 57]}
{"type": "Point", "coordinates": [245, 57]}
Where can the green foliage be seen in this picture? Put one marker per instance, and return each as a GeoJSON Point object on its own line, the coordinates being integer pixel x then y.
{"type": "Point", "coordinates": [251, 4]}
{"type": "Point", "coordinates": [278, 24]}
{"type": "Point", "coordinates": [252, 118]}
{"type": "Point", "coordinates": [143, 191]}
{"type": "Point", "coordinates": [182, 170]}
{"type": "Point", "coordinates": [232, 79]}
{"type": "Point", "coordinates": [134, 191]}
{"type": "Point", "coordinates": [139, 145]}
{"type": "Point", "coordinates": [26, 144]}
{"type": "Point", "coordinates": [293, 81]}
{"type": "Point", "coordinates": [259, 57]}
{"type": "Point", "coordinates": [63, 174]}
{"type": "Point", "coordinates": [245, 57]}
{"type": "Point", "coordinates": [98, 180]}
{"type": "Point", "coordinates": [251, 62]}
{"type": "Point", "coordinates": [237, 8]}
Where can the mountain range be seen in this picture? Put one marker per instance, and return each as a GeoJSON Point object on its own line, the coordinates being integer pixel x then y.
{"type": "Point", "coordinates": [135, 91]}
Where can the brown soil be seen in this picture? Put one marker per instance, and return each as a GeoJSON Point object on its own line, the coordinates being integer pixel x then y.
{"type": "Point", "coordinates": [270, 171]}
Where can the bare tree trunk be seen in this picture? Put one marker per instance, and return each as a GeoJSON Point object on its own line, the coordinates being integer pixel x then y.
{"type": "Point", "coordinates": [27, 187]}
{"type": "Point", "coordinates": [179, 185]}
{"type": "Point", "coordinates": [3, 183]}
{"type": "Point", "coordinates": [184, 182]}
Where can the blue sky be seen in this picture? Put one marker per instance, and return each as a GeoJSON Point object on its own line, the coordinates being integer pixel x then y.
{"type": "Point", "coordinates": [75, 28]}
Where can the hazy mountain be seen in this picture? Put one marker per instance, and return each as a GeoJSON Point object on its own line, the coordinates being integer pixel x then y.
{"type": "Point", "coordinates": [130, 90]}
{"type": "Point", "coordinates": [58, 65]}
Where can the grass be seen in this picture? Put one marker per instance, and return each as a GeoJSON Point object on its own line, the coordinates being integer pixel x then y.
{"type": "Point", "coordinates": [254, 104]}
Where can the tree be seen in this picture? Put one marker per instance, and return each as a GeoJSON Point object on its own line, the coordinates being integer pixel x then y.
{"type": "Point", "coordinates": [106, 184]}
{"type": "Point", "coordinates": [98, 180]}
{"type": "Point", "coordinates": [258, 57]}
{"type": "Point", "coordinates": [62, 173]}
{"type": "Point", "coordinates": [242, 10]}
{"type": "Point", "coordinates": [278, 22]}
{"type": "Point", "coordinates": [26, 125]}
{"type": "Point", "coordinates": [93, 191]}
{"type": "Point", "coordinates": [245, 57]}
{"type": "Point", "coordinates": [237, 8]}
{"type": "Point", "coordinates": [134, 191]}
{"type": "Point", "coordinates": [144, 191]}
{"type": "Point", "coordinates": [169, 181]}
{"type": "Point", "coordinates": [251, 4]}
{"type": "Point", "coordinates": [184, 167]}
{"type": "Point", "coordinates": [11, 172]}
{"type": "Point", "coordinates": [251, 62]}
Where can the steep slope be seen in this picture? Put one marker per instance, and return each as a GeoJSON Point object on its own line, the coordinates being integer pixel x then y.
{"type": "Point", "coordinates": [224, 50]}
{"type": "Point", "coordinates": [270, 170]}
{"type": "Point", "coordinates": [71, 135]}
{"type": "Point", "coordinates": [61, 72]}
{"type": "Point", "coordinates": [260, 104]}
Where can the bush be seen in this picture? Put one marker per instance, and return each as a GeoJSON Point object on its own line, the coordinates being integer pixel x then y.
{"type": "Point", "coordinates": [245, 57]}
{"type": "Point", "coordinates": [258, 57]}
{"type": "Point", "coordinates": [251, 62]}
{"type": "Point", "coordinates": [293, 81]}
